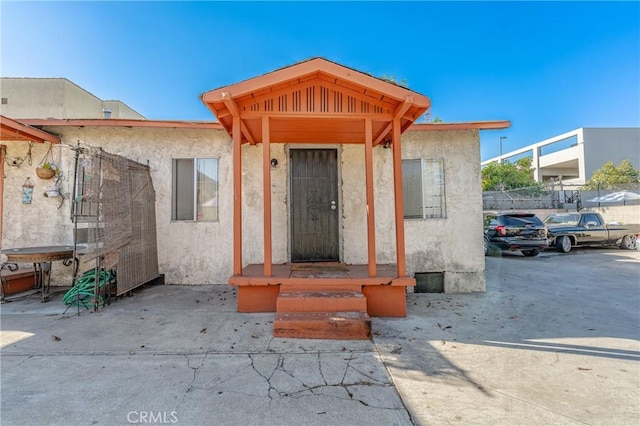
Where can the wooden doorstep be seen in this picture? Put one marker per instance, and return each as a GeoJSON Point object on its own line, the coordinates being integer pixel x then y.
{"type": "Point", "coordinates": [385, 294]}
{"type": "Point", "coordinates": [326, 275]}
{"type": "Point", "coordinates": [323, 325]}
{"type": "Point", "coordinates": [321, 301]}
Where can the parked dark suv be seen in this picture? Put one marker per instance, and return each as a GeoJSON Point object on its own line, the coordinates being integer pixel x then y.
{"type": "Point", "coordinates": [513, 230]}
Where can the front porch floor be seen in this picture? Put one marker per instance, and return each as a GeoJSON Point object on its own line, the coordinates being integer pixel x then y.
{"type": "Point", "coordinates": [385, 293]}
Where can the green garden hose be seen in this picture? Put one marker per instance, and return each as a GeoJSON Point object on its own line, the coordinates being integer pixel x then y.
{"type": "Point", "coordinates": [84, 289]}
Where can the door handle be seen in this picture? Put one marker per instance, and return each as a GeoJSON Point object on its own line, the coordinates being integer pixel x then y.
{"type": "Point", "coordinates": [333, 205]}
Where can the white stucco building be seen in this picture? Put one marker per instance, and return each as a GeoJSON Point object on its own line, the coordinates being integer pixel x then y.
{"type": "Point", "coordinates": [589, 148]}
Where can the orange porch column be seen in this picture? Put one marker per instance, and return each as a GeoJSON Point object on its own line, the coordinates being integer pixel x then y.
{"type": "Point", "coordinates": [371, 221]}
{"type": "Point", "coordinates": [266, 184]}
{"type": "Point", "coordinates": [237, 197]}
{"type": "Point", "coordinates": [399, 202]}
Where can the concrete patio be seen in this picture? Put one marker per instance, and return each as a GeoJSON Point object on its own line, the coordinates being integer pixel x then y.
{"type": "Point", "coordinates": [555, 340]}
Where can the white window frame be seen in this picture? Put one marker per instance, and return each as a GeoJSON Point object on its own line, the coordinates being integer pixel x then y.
{"type": "Point", "coordinates": [430, 181]}
{"type": "Point", "coordinates": [195, 189]}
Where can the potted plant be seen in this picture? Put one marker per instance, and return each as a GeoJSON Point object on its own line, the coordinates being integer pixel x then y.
{"type": "Point", "coordinates": [46, 170]}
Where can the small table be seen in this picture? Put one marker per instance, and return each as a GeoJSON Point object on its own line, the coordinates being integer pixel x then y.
{"type": "Point", "coordinates": [42, 258]}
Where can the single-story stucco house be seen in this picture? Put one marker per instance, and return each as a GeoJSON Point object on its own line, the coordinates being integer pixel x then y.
{"type": "Point", "coordinates": [360, 198]}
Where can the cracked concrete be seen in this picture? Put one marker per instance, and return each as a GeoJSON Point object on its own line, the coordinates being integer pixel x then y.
{"type": "Point", "coordinates": [180, 352]}
{"type": "Point", "coordinates": [533, 350]}
{"type": "Point", "coordinates": [553, 341]}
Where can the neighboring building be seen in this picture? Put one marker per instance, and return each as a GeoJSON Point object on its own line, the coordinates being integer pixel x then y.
{"type": "Point", "coordinates": [590, 148]}
{"type": "Point", "coordinates": [56, 98]}
{"type": "Point", "coordinates": [332, 151]}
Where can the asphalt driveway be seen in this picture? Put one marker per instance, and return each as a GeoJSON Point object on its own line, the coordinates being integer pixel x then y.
{"type": "Point", "coordinates": [554, 340]}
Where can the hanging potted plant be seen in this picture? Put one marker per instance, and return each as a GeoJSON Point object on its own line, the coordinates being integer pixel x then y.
{"type": "Point", "coordinates": [47, 168]}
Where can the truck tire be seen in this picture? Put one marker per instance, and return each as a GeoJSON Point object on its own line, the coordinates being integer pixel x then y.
{"type": "Point", "coordinates": [629, 242]}
{"type": "Point", "coordinates": [530, 253]}
{"type": "Point", "coordinates": [563, 244]}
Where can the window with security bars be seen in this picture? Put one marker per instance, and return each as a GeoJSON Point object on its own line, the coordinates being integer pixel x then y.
{"type": "Point", "coordinates": [194, 193]}
{"type": "Point", "coordinates": [423, 188]}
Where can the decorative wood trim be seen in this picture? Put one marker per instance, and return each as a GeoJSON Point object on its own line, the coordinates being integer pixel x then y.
{"type": "Point", "coordinates": [403, 107]}
{"type": "Point", "coordinates": [310, 67]}
{"type": "Point", "coordinates": [350, 116]}
{"type": "Point", "coordinates": [380, 136]}
{"type": "Point", "coordinates": [247, 134]}
{"type": "Point", "coordinates": [235, 112]}
{"type": "Point", "coordinates": [321, 89]}
{"type": "Point", "coordinates": [230, 104]}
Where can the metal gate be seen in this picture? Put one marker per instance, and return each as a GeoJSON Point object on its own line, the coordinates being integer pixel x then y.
{"type": "Point", "coordinates": [314, 205]}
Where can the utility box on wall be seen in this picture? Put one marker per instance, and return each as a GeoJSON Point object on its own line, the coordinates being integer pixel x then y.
{"type": "Point", "coordinates": [429, 282]}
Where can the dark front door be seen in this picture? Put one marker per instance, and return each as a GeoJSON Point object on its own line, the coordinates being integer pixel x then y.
{"type": "Point", "coordinates": [314, 205]}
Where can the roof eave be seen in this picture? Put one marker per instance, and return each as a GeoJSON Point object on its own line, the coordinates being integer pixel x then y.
{"type": "Point", "coordinates": [310, 67]}
{"type": "Point", "coordinates": [471, 125]}
{"type": "Point", "coordinates": [116, 122]}
{"type": "Point", "coordinates": [20, 131]}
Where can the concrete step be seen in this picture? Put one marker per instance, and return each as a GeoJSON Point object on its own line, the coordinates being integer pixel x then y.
{"type": "Point", "coordinates": [321, 301]}
{"type": "Point", "coordinates": [323, 325]}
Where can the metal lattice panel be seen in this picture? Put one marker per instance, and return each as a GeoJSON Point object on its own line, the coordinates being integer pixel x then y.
{"type": "Point", "coordinates": [114, 212]}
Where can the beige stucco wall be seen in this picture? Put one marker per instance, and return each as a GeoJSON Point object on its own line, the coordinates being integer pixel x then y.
{"type": "Point", "coordinates": [610, 144]}
{"type": "Point", "coordinates": [32, 98]}
{"type": "Point", "coordinates": [450, 245]}
{"type": "Point", "coordinates": [201, 252]}
{"type": "Point", "coordinates": [77, 103]}
{"type": "Point", "coordinates": [188, 252]}
{"type": "Point", "coordinates": [121, 110]}
{"type": "Point", "coordinates": [55, 98]}
{"type": "Point", "coordinates": [41, 222]}
{"type": "Point", "coordinates": [432, 245]}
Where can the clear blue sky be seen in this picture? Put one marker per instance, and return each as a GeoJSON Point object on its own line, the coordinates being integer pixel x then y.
{"type": "Point", "coordinates": [548, 67]}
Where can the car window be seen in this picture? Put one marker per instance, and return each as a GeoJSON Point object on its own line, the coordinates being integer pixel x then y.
{"type": "Point", "coordinates": [521, 220]}
{"type": "Point", "coordinates": [591, 218]}
{"type": "Point", "coordinates": [562, 219]}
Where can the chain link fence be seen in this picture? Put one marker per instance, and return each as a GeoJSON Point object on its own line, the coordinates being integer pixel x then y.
{"type": "Point", "coordinates": [557, 195]}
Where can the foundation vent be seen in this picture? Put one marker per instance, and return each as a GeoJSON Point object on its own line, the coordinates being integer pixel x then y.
{"type": "Point", "coordinates": [429, 282]}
